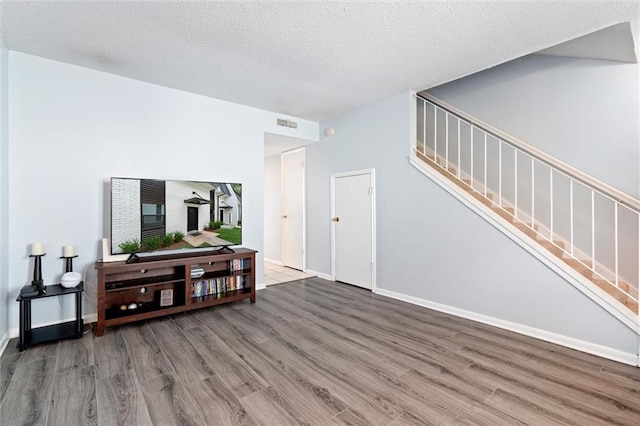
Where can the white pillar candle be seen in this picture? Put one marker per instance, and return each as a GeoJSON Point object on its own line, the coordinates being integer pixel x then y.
{"type": "Point", "coordinates": [68, 251]}
{"type": "Point", "coordinates": [37, 249]}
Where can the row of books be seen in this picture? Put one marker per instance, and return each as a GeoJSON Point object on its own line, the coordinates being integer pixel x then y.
{"type": "Point", "coordinates": [240, 264]}
{"type": "Point", "coordinates": [217, 285]}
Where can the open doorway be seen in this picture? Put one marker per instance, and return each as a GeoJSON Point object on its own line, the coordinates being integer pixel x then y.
{"type": "Point", "coordinates": [284, 239]}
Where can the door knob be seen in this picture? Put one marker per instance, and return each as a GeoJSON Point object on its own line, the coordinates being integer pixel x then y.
{"type": "Point", "coordinates": [284, 216]}
{"type": "Point", "coordinates": [336, 219]}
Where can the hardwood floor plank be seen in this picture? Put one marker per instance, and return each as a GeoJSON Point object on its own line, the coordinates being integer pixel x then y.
{"type": "Point", "coordinates": [27, 398]}
{"type": "Point", "coordinates": [185, 360]}
{"type": "Point", "coordinates": [110, 353]}
{"type": "Point", "coordinates": [228, 323]}
{"type": "Point", "coordinates": [187, 320]}
{"type": "Point", "coordinates": [8, 365]}
{"type": "Point", "coordinates": [221, 406]}
{"type": "Point", "coordinates": [169, 402]}
{"type": "Point", "coordinates": [346, 417]}
{"type": "Point", "coordinates": [548, 362]}
{"type": "Point", "coordinates": [38, 352]}
{"type": "Point", "coordinates": [312, 338]}
{"type": "Point", "coordinates": [378, 408]}
{"type": "Point", "coordinates": [569, 389]}
{"type": "Point", "coordinates": [407, 419]}
{"type": "Point", "coordinates": [121, 401]}
{"type": "Point", "coordinates": [408, 348]}
{"type": "Point", "coordinates": [538, 393]}
{"type": "Point", "coordinates": [73, 399]}
{"type": "Point", "coordinates": [11, 349]}
{"type": "Point", "coordinates": [146, 354]}
{"type": "Point", "coordinates": [304, 399]}
{"type": "Point", "coordinates": [266, 407]}
{"type": "Point", "coordinates": [524, 410]}
{"type": "Point", "coordinates": [230, 368]}
{"type": "Point", "coordinates": [75, 353]}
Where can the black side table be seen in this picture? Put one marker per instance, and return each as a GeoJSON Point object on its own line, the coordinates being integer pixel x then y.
{"type": "Point", "coordinates": [48, 333]}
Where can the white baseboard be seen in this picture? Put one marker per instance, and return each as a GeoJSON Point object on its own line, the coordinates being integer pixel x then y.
{"type": "Point", "coordinates": [319, 274]}
{"type": "Point", "coordinates": [548, 336]}
{"type": "Point", "coordinates": [89, 318]}
{"type": "Point", "coordinates": [261, 286]}
{"type": "Point", "coordinates": [274, 262]}
{"type": "Point", "coordinates": [4, 341]}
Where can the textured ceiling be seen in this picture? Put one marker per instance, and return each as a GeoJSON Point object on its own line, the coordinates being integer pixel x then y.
{"type": "Point", "coordinates": [311, 60]}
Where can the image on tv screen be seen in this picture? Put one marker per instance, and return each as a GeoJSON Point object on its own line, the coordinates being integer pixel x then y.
{"type": "Point", "coordinates": [149, 215]}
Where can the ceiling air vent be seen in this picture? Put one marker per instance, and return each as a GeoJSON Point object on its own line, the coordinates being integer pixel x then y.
{"type": "Point", "coordinates": [286, 123]}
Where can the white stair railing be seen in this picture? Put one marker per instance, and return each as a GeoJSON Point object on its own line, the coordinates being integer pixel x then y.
{"type": "Point", "coordinates": [589, 222]}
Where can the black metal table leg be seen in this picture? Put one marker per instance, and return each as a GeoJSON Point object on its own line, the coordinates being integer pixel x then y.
{"type": "Point", "coordinates": [79, 314]}
{"type": "Point", "coordinates": [22, 327]}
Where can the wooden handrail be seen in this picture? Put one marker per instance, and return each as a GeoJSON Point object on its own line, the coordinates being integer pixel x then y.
{"type": "Point", "coordinates": [601, 187]}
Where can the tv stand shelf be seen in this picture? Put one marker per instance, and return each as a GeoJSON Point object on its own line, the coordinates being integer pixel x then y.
{"type": "Point", "coordinates": [129, 292]}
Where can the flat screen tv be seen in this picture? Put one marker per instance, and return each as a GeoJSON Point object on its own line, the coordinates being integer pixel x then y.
{"type": "Point", "coordinates": [150, 215]}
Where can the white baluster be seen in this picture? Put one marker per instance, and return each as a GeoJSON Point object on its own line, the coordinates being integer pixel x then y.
{"type": "Point", "coordinates": [446, 148]}
{"type": "Point", "coordinates": [485, 164]}
{"type": "Point", "coordinates": [571, 212]}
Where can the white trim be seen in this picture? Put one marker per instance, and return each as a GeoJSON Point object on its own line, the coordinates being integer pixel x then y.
{"type": "Point", "coordinates": [261, 286]}
{"type": "Point", "coordinates": [273, 262]}
{"type": "Point", "coordinates": [88, 319]}
{"type": "Point", "coordinates": [4, 342]}
{"type": "Point", "coordinates": [372, 178]}
{"type": "Point", "coordinates": [304, 204]}
{"type": "Point", "coordinates": [547, 336]}
{"type": "Point", "coordinates": [106, 253]}
{"type": "Point", "coordinates": [319, 274]}
{"type": "Point", "coordinates": [596, 294]}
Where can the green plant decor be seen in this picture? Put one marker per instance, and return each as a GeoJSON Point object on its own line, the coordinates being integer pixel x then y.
{"type": "Point", "coordinates": [151, 243]}
{"type": "Point", "coordinates": [167, 240]}
{"type": "Point", "coordinates": [130, 246]}
{"type": "Point", "coordinates": [215, 224]}
{"type": "Point", "coordinates": [177, 236]}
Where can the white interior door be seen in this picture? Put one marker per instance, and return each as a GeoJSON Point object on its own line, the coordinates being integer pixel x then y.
{"type": "Point", "coordinates": [353, 228]}
{"type": "Point", "coordinates": [293, 209]}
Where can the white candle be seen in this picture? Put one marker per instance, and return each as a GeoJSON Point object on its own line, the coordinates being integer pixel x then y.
{"type": "Point", "coordinates": [37, 249]}
{"type": "Point", "coordinates": [68, 251]}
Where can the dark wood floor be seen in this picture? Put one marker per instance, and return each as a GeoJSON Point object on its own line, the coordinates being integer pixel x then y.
{"type": "Point", "coordinates": [313, 352]}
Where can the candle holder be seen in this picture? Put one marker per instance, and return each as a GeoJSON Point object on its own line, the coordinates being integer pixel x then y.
{"type": "Point", "coordinates": [37, 282]}
{"type": "Point", "coordinates": [68, 266]}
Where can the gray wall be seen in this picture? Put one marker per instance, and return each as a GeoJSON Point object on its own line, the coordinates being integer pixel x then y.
{"type": "Point", "coordinates": [4, 196]}
{"type": "Point", "coordinates": [272, 209]}
{"type": "Point", "coordinates": [581, 111]}
{"type": "Point", "coordinates": [432, 247]}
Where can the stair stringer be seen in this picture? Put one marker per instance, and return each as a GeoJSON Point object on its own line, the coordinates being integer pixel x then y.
{"type": "Point", "coordinates": [607, 302]}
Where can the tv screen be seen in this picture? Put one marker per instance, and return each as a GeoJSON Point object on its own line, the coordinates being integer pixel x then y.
{"type": "Point", "coordinates": [149, 215]}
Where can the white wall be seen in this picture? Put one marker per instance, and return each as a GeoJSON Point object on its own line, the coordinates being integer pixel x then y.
{"type": "Point", "coordinates": [125, 212]}
{"type": "Point", "coordinates": [272, 208]}
{"type": "Point", "coordinates": [431, 247]}
{"type": "Point", "coordinates": [72, 128]}
{"type": "Point", "coordinates": [581, 111]}
{"type": "Point", "coordinates": [5, 300]}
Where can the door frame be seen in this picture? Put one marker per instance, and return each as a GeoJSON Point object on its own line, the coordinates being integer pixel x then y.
{"type": "Point", "coordinates": [372, 173]}
{"type": "Point", "coordinates": [304, 205]}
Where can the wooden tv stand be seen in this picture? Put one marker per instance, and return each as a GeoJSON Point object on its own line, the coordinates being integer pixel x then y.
{"type": "Point", "coordinates": [163, 285]}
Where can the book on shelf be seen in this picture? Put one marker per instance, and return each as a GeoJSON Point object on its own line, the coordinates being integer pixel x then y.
{"type": "Point", "coordinates": [239, 264]}
{"type": "Point", "coordinates": [217, 286]}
